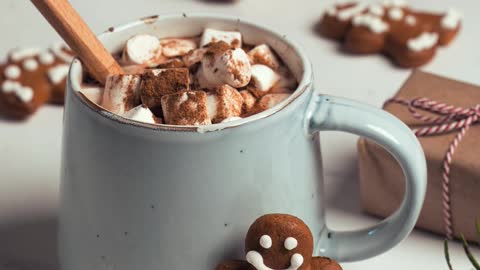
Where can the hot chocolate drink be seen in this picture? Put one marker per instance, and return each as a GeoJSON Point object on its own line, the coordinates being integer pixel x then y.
{"type": "Point", "coordinates": [202, 80]}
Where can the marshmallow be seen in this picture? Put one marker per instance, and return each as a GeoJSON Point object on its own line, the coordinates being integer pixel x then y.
{"type": "Point", "coordinates": [93, 92]}
{"type": "Point", "coordinates": [121, 93]}
{"type": "Point", "coordinates": [263, 79]}
{"type": "Point", "coordinates": [249, 101]}
{"type": "Point", "coordinates": [194, 57]}
{"type": "Point", "coordinates": [222, 65]}
{"type": "Point", "coordinates": [262, 54]}
{"type": "Point", "coordinates": [159, 82]}
{"type": "Point", "coordinates": [232, 38]}
{"type": "Point", "coordinates": [186, 108]}
{"type": "Point", "coordinates": [231, 119]}
{"type": "Point", "coordinates": [269, 101]}
{"type": "Point", "coordinates": [224, 102]}
{"type": "Point", "coordinates": [141, 113]}
{"type": "Point", "coordinates": [173, 47]}
{"type": "Point", "coordinates": [143, 50]}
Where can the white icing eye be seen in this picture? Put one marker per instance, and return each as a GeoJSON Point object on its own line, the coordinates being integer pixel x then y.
{"type": "Point", "coordinates": [290, 243]}
{"type": "Point", "coordinates": [266, 241]}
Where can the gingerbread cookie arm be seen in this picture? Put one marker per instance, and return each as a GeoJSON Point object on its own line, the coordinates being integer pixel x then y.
{"type": "Point", "coordinates": [234, 265]}
{"type": "Point", "coordinates": [337, 20]}
{"type": "Point", "coordinates": [324, 263]}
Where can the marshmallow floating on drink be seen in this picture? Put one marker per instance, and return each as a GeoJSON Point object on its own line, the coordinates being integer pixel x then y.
{"type": "Point", "coordinates": [214, 78]}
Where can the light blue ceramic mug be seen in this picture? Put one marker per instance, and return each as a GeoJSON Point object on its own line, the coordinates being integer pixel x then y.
{"type": "Point", "coordinates": [138, 196]}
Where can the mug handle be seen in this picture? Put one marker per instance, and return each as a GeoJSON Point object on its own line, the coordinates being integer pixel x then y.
{"type": "Point", "coordinates": [327, 113]}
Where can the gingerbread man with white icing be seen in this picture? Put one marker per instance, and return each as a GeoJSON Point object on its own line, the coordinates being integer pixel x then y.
{"type": "Point", "coordinates": [32, 77]}
{"type": "Point", "coordinates": [409, 37]}
{"type": "Point", "coordinates": [279, 242]}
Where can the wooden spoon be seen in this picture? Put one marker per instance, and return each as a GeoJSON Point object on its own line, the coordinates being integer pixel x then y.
{"type": "Point", "coordinates": [76, 33]}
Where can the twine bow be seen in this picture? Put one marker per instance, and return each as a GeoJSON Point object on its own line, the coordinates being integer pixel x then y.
{"type": "Point", "coordinates": [447, 118]}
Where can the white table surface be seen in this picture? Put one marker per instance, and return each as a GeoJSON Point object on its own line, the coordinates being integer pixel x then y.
{"type": "Point", "coordinates": [30, 151]}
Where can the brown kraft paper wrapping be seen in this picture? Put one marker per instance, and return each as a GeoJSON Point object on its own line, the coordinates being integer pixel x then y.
{"type": "Point", "coordinates": [382, 181]}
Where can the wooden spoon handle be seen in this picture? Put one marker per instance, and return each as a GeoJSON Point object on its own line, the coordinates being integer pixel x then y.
{"type": "Point", "coordinates": [76, 33]}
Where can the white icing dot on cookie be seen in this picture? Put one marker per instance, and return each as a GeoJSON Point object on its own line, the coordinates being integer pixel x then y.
{"type": "Point", "coordinates": [394, 3]}
{"type": "Point", "coordinates": [452, 19]}
{"type": "Point", "coordinates": [20, 54]}
{"type": "Point", "coordinates": [346, 14]}
{"type": "Point", "coordinates": [58, 51]}
{"type": "Point", "coordinates": [374, 23]}
{"type": "Point", "coordinates": [423, 42]}
{"type": "Point", "coordinates": [410, 20]}
{"type": "Point", "coordinates": [290, 243]}
{"type": "Point", "coordinates": [332, 11]}
{"type": "Point", "coordinates": [58, 73]}
{"type": "Point", "coordinates": [376, 10]}
{"type": "Point", "coordinates": [266, 241]}
{"type": "Point", "coordinates": [395, 14]}
{"type": "Point", "coordinates": [12, 72]}
{"type": "Point", "coordinates": [30, 64]}
{"type": "Point", "coordinates": [46, 58]}
{"type": "Point", "coordinates": [24, 93]}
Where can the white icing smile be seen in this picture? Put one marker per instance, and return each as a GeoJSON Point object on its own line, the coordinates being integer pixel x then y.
{"type": "Point", "coordinates": [256, 259]}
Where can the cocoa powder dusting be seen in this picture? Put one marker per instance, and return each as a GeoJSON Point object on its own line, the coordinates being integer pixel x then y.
{"type": "Point", "coordinates": [168, 81]}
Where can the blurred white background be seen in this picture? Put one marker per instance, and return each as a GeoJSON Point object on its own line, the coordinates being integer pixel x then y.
{"type": "Point", "coordinates": [30, 151]}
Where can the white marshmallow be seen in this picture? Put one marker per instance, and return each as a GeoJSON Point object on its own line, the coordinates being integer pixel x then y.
{"type": "Point", "coordinates": [231, 119]}
{"type": "Point", "coordinates": [93, 92]}
{"type": "Point", "coordinates": [424, 41]}
{"type": "Point", "coordinates": [263, 78]}
{"type": "Point", "coordinates": [142, 50]}
{"type": "Point", "coordinates": [231, 37]}
{"type": "Point", "coordinates": [173, 47]}
{"type": "Point", "coordinates": [194, 57]}
{"type": "Point", "coordinates": [121, 93]}
{"type": "Point", "coordinates": [232, 67]}
{"type": "Point", "coordinates": [270, 100]}
{"type": "Point", "coordinates": [140, 113]}
{"type": "Point", "coordinates": [262, 54]}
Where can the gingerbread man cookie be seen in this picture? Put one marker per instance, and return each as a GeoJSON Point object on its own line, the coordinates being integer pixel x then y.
{"type": "Point", "coordinates": [30, 78]}
{"type": "Point", "coordinates": [409, 37]}
{"type": "Point", "coordinates": [279, 241]}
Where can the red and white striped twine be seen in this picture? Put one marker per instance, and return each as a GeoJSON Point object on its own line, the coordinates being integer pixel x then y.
{"type": "Point", "coordinates": [448, 118]}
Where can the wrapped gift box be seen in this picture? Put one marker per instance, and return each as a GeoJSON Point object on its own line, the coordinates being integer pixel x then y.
{"type": "Point", "coordinates": [382, 181]}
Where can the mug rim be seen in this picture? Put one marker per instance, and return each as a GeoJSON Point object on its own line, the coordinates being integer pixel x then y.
{"type": "Point", "coordinates": [304, 84]}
